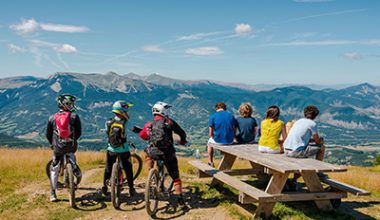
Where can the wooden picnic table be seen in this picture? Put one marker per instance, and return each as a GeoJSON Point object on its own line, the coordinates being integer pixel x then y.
{"type": "Point", "coordinates": [278, 167]}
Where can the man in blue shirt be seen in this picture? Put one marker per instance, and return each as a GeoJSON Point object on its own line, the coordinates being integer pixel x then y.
{"type": "Point", "coordinates": [222, 128]}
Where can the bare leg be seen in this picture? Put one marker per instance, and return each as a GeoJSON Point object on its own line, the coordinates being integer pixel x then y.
{"type": "Point", "coordinates": [148, 160]}
{"type": "Point", "coordinates": [178, 189]}
{"type": "Point", "coordinates": [210, 152]}
{"type": "Point", "coordinates": [321, 153]}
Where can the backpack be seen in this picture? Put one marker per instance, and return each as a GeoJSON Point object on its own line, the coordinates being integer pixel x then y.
{"type": "Point", "coordinates": [64, 132]}
{"type": "Point", "coordinates": [116, 133]}
{"type": "Point", "coordinates": [160, 134]}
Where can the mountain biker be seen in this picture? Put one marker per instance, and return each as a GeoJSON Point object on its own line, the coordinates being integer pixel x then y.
{"type": "Point", "coordinates": [116, 145]}
{"type": "Point", "coordinates": [63, 131]}
{"type": "Point", "coordinates": [167, 152]}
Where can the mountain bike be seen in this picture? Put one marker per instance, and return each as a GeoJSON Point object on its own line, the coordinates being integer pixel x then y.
{"type": "Point", "coordinates": [118, 178]}
{"type": "Point", "coordinates": [60, 183]}
{"type": "Point", "coordinates": [158, 183]}
{"type": "Point", "coordinates": [69, 180]}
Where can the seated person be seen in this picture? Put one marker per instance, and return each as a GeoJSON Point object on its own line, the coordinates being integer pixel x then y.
{"type": "Point", "coordinates": [271, 129]}
{"type": "Point", "coordinates": [247, 125]}
{"type": "Point", "coordinates": [302, 133]}
{"type": "Point", "coordinates": [222, 127]}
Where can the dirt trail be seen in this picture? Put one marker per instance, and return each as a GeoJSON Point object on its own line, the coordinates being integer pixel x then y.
{"type": "Point", "coordinates": [88, 199]}
{"type": "Point", "coordinates": [96, 206]}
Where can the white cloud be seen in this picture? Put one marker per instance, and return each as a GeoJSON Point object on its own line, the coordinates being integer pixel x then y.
{"type": "Point", "coordinates": [60, 48]}
{"type": "Point", "coordinates": [63, 28]}
{"type": "Point", "coordinates": [352, 56]}
{"type": "Point", "coordinates": [66, 48]}
{"type": "Point", "coordinates": [153, 48]}
{"type": "Point", "coordinates": [243, 28]}
{"type": "Point", "coordinates": [16, 49]}
{"type": "Point", "coordinates": [204, 51]}
{"type": "Point", "coordinates": [197, 36]}
{"type": "Point", "coordinates": [31, 25]}
{"type": "Point", "coordinates": [26, 26]}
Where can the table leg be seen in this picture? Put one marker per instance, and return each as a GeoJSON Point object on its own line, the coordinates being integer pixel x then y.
{"type": "Point", "coordinates": [226, 164]}
{"type": "Point", "coordinates": [275, 186]}
{"type": "Point", "coordinates": [261, 175]}
{"type": "Point", "coordinates": [313, 183]}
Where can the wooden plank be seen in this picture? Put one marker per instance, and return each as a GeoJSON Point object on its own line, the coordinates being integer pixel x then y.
{"type": "Point", "coordinates": [314, 185]}
{"type": "Point", "coordinates": [235, 172]}
{"type": "Point", "coordinates": [226, 164]}
{"type": "Point", "coordinates": [275, 186]}
{"type": "Point", "coordinates": [291, 197]}
{"type": "Point", "coordinates": [278, 162]}
{"type": "Point", "coordinates": [345, 187]}
{"type": "Point", "coordinates": [247, 189]}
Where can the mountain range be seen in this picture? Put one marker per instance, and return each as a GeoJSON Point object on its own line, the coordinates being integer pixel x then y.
{"type": "Point", "coordinates": [349, 115]}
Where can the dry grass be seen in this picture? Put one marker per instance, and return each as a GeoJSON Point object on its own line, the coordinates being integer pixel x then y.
{"type": "Point", "coordinates": [19, 167]}
{"type": "Point", "coordinates": [26, 167]}
{"type": "Point", "coordinates": [363, 177]}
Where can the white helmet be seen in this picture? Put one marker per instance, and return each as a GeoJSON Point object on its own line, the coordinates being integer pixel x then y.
{"type": "Point", "coordinates": [160, 108]}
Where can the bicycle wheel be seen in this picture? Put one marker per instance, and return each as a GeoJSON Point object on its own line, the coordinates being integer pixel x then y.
{"type": "Point", "coordinates": [115, 185]}
{"type": "Point", "coordinates": [70, 176]}
{"type": "Point", "coordinates": [137, 164]}
{"type": "Point", "coordinates": [48, 167]}
{"type": "Point", "coordinates": [167, 183]}
{"type": "Point", "coordinates": [76, 179]}
{"type": "Point", "coordinates": [151, 197]}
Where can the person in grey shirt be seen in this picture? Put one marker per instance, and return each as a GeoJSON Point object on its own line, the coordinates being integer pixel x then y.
{"type": "Point", "coordinates": [297, 144]}
{"type": "Point", "coordinates": [304, 131]}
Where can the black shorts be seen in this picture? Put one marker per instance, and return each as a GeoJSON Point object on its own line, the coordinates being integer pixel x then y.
{"type": "Point", "coordinates": [169, 158]}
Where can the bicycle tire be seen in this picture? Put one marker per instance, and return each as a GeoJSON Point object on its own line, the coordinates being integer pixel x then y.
{"type": "Point", "coordinates": [69, 170]}
{"type": "Point", "coordinates": [151, 197]}
{"type": "Point", "coordinates": [167, 183]}
{"type": "Point", "coordinates": [136, 163]}
{"type": "Point", "coordinates": [48, 168]}
{"type": "Point", "coordinates": [115, 186]}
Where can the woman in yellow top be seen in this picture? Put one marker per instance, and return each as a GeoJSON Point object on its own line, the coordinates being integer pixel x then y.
{"type": "Point", "coordinates": [271, 129]}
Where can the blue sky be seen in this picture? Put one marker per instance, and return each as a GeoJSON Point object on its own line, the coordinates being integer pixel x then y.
{"type": "Point", "coordinates": [272, 42]}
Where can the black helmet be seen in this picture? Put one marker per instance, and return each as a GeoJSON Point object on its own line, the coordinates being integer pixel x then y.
{"type": "Point", "coordinates": [66, 102]}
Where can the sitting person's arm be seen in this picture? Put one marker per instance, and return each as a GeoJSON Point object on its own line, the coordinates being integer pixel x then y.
{"type": "Point", "coordinates": [211, 132]}
{"type": "Point", "coordinates": [317, 139]}
{"type": "Point", "coordinates": [284, 136]}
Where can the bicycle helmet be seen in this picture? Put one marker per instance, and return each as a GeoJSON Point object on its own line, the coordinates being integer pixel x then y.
{"type": "Point", "coordinates": [66, 102]}
{"type": "Point", "coordinates": [160, 108]}
{"type": "Point", "coordinates": [121, 108]}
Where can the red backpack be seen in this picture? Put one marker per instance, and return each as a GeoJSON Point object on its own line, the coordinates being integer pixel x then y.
{"type": "Point", "coordinates": [64, 131]}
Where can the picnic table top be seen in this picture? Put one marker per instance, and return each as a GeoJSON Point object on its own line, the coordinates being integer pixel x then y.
{"type": "Point", "coordinates": [277, 162]}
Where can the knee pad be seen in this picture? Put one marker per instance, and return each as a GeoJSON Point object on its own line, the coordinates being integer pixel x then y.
{"type": "Point", "coordinates": [54, 173]}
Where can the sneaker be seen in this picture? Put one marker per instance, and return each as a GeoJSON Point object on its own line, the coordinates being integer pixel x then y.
{"type": "Point", "coordinates": [53, 197]}
{"type": "Point", "coordinates": [104, 190]}
{"type": "Point", "coordinates": [132, 192]}
{"type": "Point", "coordinates": [211, 164]}
{"type": "Point", "coordinates": [292, 185]}
{"type": "Point", "coordinates": [181, 203]}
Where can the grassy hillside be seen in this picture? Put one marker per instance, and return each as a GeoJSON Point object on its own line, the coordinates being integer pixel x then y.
{"type": "Point", "coordinates": [24, 193]}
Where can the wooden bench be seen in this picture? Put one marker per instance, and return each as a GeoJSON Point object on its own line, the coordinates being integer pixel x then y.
{"type": "Point", "coordinates": [335, 184]}
{"type": "Point", "coordinates": [278, 167]}
{"type": "Point", "coordinates": [245, 188]}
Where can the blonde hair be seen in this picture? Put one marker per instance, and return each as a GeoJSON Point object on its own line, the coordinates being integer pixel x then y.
{"type": "Point", "coordinates": [245, 110]}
